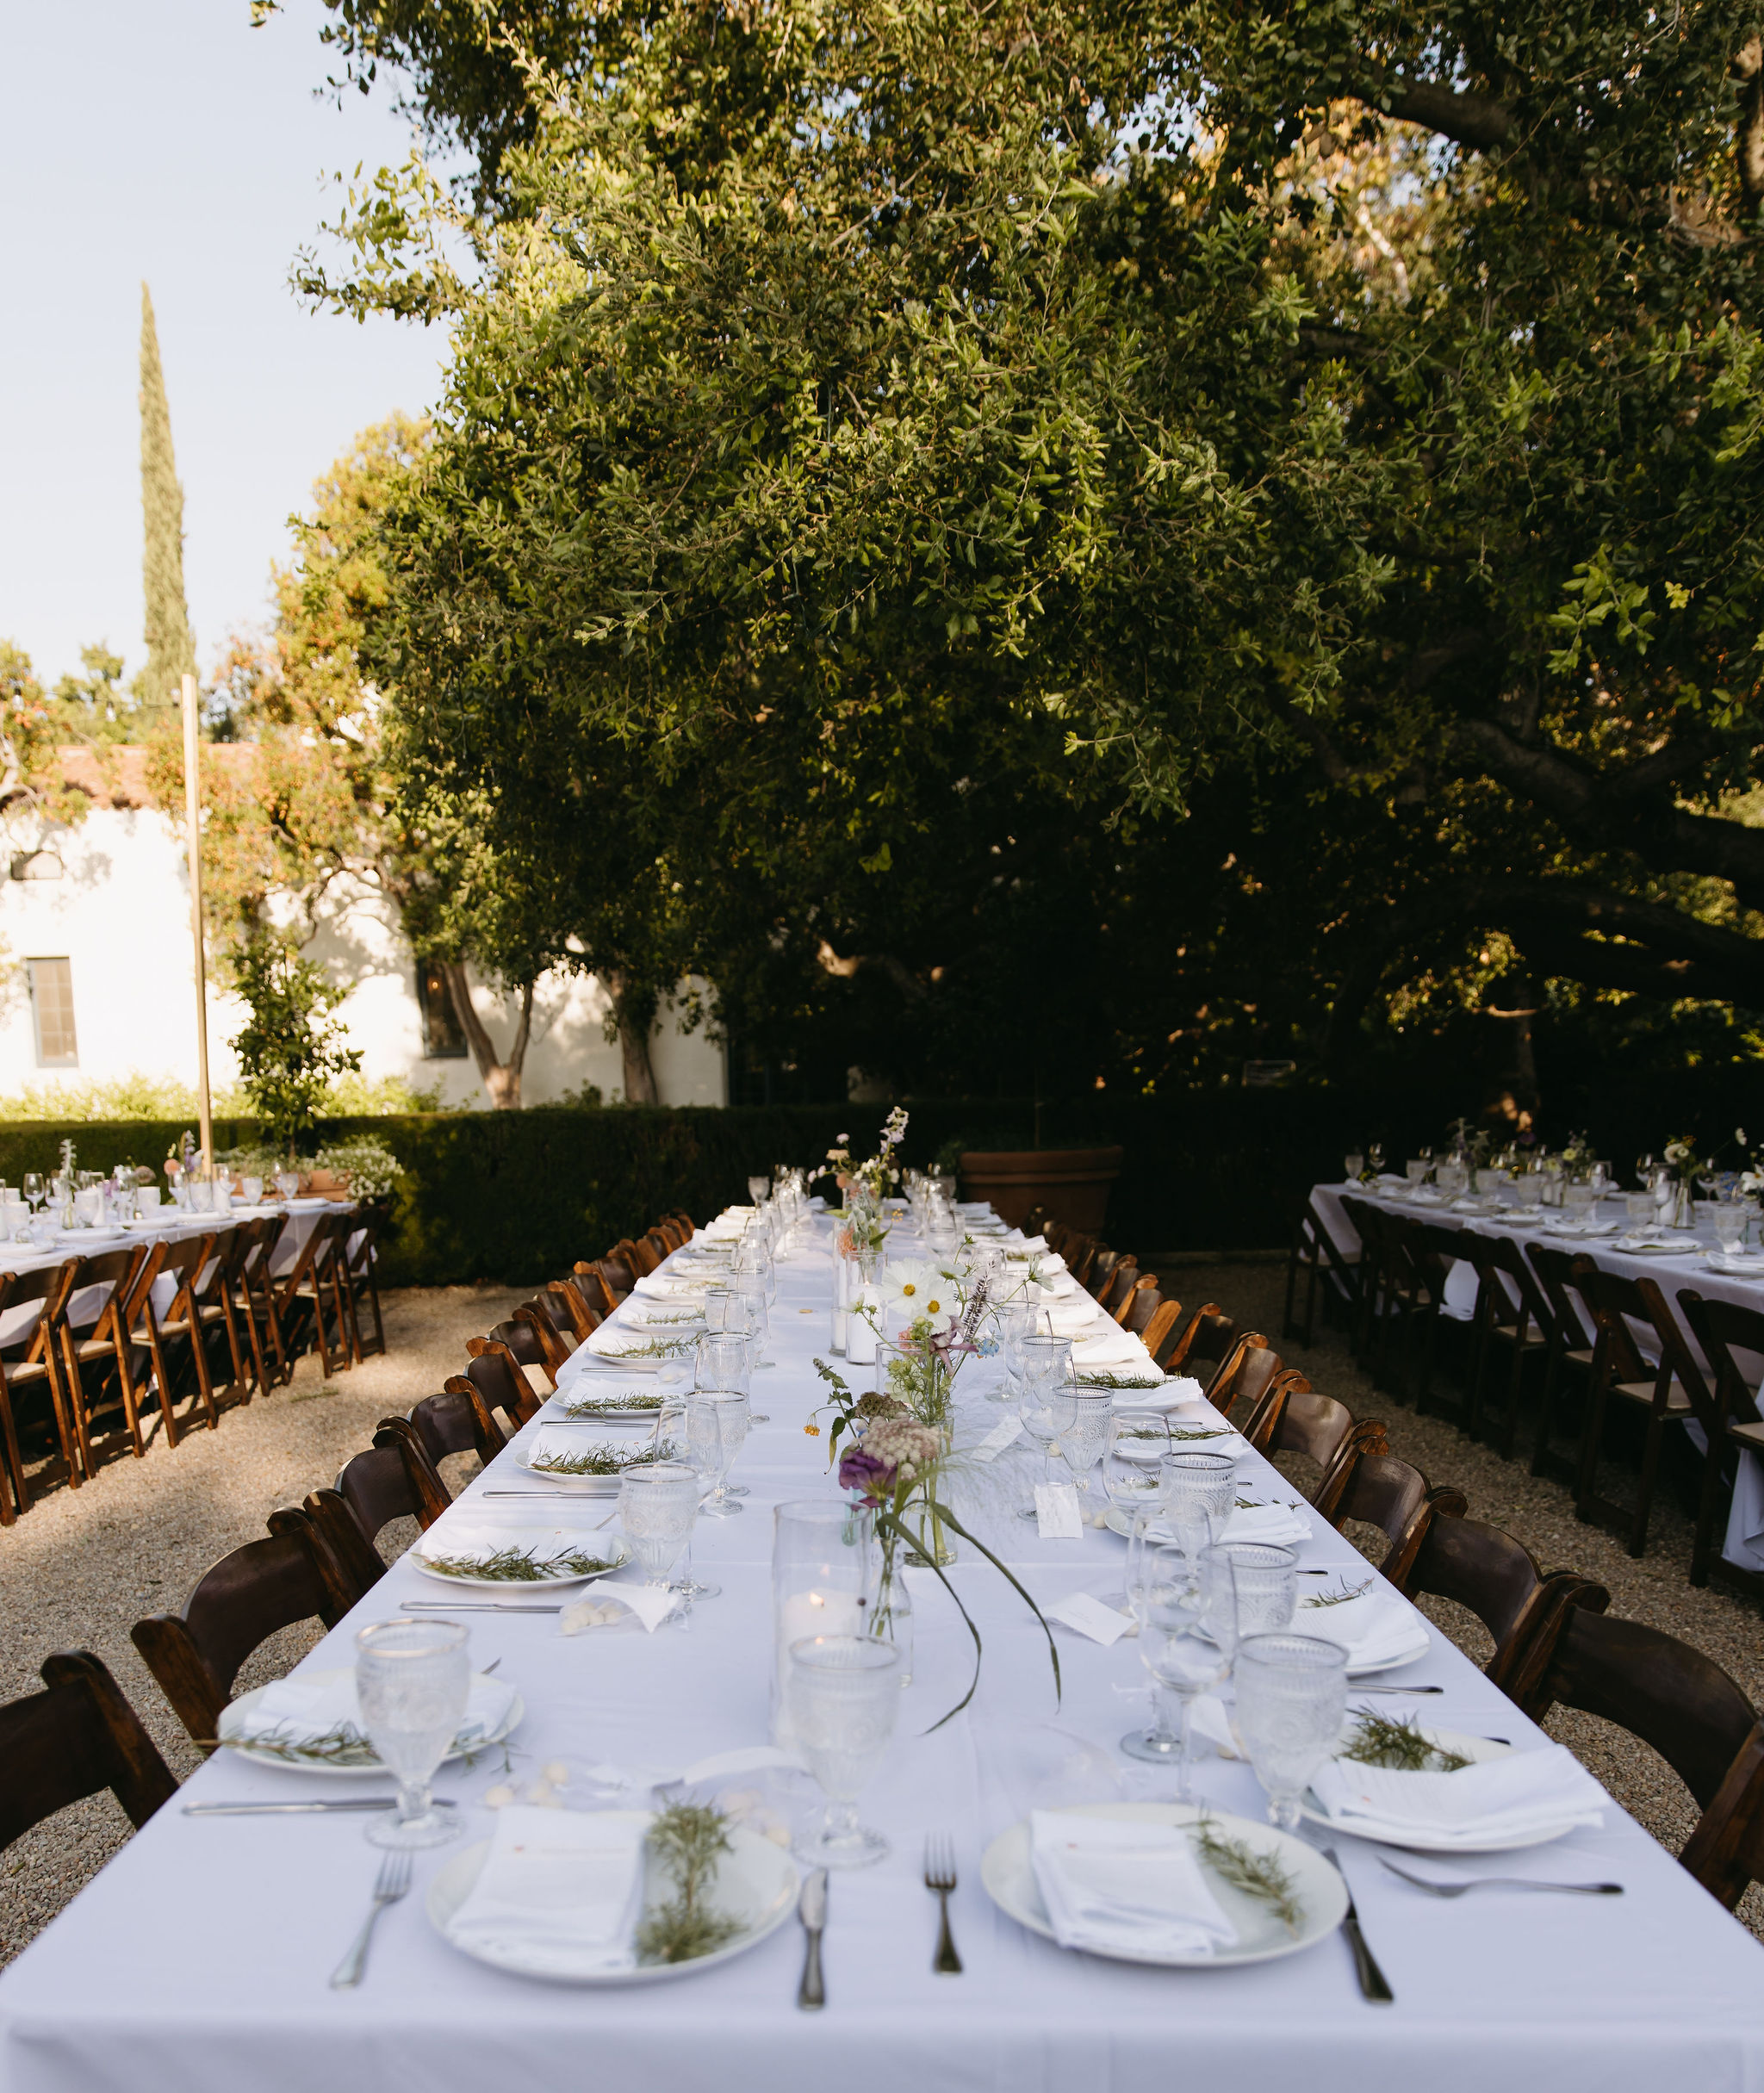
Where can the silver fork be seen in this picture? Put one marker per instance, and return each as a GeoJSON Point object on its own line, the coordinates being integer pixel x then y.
{"type": "Point", "coordinates": [1501, 1882]}
{"type": "Point", "coordinates": [940, 1876]}
{"type": "Point", "coordinates": [393, 1881]}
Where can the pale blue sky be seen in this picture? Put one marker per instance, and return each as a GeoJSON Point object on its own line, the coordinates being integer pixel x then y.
{"type": "Point", "coordinates": [170, 140]}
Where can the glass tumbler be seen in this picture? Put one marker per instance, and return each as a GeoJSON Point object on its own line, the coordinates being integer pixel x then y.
{"type": "Point", "coordinates": [721, 1362]}
{"type": "Point", "coordinates": [1197, 1491]}
{"type": "Point", "coordinates": [825, 1570]}
{"type": "Point", "coordinates": [1251, 1588]}
{"type": "Point", "coordinates": [716, 1428]}
{"type": "Point", "coordinates": [1291, 1695]}
{"type": "Point", "coordinates": [412, 1680]}
{"type": "Point", "coordinates": [658, 1505]}
{"type": "Point", "coordinates": [844, 1695]}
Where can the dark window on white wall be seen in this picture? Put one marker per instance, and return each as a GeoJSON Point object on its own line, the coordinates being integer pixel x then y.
{"type": "Point", "coordinates": [443, 1038]}
{"type": "Point", "coordinates": [52, 1012]}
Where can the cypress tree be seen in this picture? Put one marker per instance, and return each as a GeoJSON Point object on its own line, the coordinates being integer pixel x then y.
{"type": "Point", "coordinates": [171, 648]}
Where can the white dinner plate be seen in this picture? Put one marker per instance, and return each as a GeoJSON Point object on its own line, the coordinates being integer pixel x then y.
{"type": "Point", "coordinates": [615, 1551]}
{"type": "Point", "coordinates": [1736, 1268]}
{"type": "Point", "coordinates": [1196, 1439]}
{"type": "Point", "coordinates": [756, 1884]}
{"type": "Point", "coordinates": [1476, 1749]}
{"type": "Point", "coordinates": [635, 1359]}
{"type": "Point", "coordinates": [1657, 1250]}
{"type": "Point", "coordinates": [234, 1711]}
{"type": "Point", "coordinates": [583, 1486]}
{"type": "Point", "coordinates": [1009, 1877]}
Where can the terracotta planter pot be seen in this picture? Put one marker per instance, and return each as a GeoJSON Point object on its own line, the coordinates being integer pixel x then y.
{"type": "Point", "coordinates": [1072, 1184]}
{"type": "Point", "coordinates": [323, 1185]}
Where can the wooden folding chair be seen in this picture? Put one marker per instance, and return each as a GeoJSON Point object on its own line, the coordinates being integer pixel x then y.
{"type": "Point", "coordinates": [395, 1479]}
{"type": "Point", "coordinates": [1499, 1581]}
{"type": "Point", "coordinates": [312, 1283]}
{"type": "Point", "coordinates": [570, 1309]}
{"type": "Point", "coordinates": [1683, 1706]}
{"type": "Point", "coordinates": [97, 1356]}
{"type": "Point", "coordinates": [592, 1284]}
{"type": "Point", "coordinates": [495, 1373]}
{"type": "Point", "coordinates": [1667, 1393]}
{"type": "Point", "coordinates": [29, 1371]}
{"type": "Point", "coordinates": [638, 1259]}
{"type": "Point", "coordinates": [458, 1420]}
{"type": "Point", "coordinates": [1297, 1420]}
{"type": "Point", "coordinates": [1568, 1354]}
{"type": "Point", "coordinates": [1512, 1312]}
{"type": "Point", "coordinates": [521, 1343]}
{"type": "Point", "coordinates": [211, 1296]}
{"type": "Point", "coordinates": [240, 1602]}
{"type": "Point", "coordinates": [77, 1738]}
{"type": "Point", "coordinates": [556, 1343]}
{"type": "Point", "coordinates": [176, 1340]}
{"type": "Point", "coordinates": [1315, 1252]}
{"type": "Point", "coordinates": [1734, 1424]}
{"type": "Point", "coordinates": [1234, 1377]}
{"type": "Point", "coordinates": [255, 1298]}
{"type": "Point", "coordinates": [360, 1254]}
{"type": "Point", "coordinates": [1379, 1490]}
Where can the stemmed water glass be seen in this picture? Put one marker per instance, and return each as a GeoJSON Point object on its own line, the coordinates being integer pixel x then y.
{"type": "Point", "coordinates": [844, 1695]}
{"type": "Point", "coordinates": [1131, 1448]}
{"type": "Point", "coordinates": [34, 1190]}
{"type": "Point", "coordinates": [759, 1190]}
{"type": "Point", "coordinates": [1048, 1399]}
{"type": "Point", "coordinates": [1171, 1598]}
{"type": "Point", "coordinates": [412, 1680]}
{"type": "Point", "coordinates": [1198, 1493]}
{"type": "Point", "coordinates": [1291, 1695]}
{"type": "Point", "coordinates": [715, 1427]}
{"type": "Point", "coordinates": [1251, 1588]}
{"type": "Point", "coordinates": [658, 1504]}
{"type": "Point", "coordinates": [1016, 1319]}
{"type": "Point", "coordinates": [1082, 1441]}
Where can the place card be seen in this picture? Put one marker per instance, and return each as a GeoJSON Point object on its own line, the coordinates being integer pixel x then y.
{"type": "Point", "coordinates": [999, 1439]}
{"type": "Point", "coordinates": [1057, 1512]}
{"type": "Point", "coordinates": [1088, 1614]}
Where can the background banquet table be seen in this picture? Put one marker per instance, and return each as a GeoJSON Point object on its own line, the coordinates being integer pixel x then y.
{"type": "Point", "coordinates": [199, 1958]}
{"type": "Point", "coordinates": [1743, 1542]}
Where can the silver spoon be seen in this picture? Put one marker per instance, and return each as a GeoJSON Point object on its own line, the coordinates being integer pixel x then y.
{"type": "Point", "coordinates": [1500, 1882]}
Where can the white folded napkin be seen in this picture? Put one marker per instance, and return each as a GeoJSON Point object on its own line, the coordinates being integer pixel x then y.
{"type": "Point", "coordinates": [559, 1891]}
{"type": "Point", "coordinates": [1124, 1888]}
{"type": "Point", "coordinates": [1072, 1318]}
{"type": "Point", "coordinates": [1376, 1628]}
{"type": "Point", "coordinates": [618, 1606]}
{"type": "Point", "coordinates": [1525, 1792]}
{"type": "Point", "coordinates": [658, 1285]}
{"type": "Point", "coordinates": [1276, 1524]}
{"type": "Point", "coordinates": [1108, 1346]}
{"type": "Point", "coordinates": [1164, 1396]}
{"type": "Point", "coordinates": [619, 1340]}
{"type": "Point", "coordinates": [687, 1317]}
{"type": "Point", "coordinates": [303, 1708]}
{"type": "Point", "coordinates": [586, 1385]}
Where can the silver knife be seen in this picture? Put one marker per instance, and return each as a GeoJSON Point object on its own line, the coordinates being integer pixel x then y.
{"type": "Point", "coordinates": [476, 1605]}
{"type": "Point", "coordinates": [1355, 1687]}
{"type": "Point", "coordinates": [811, 1910]}
{"type": "Point", "coordinates": [1373, 1984]}
{"type": "Point", "coordinates": [301, 1809]}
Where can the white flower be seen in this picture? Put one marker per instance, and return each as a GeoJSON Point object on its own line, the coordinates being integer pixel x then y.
{"type": "Point", "coordinates": [917, 1287]}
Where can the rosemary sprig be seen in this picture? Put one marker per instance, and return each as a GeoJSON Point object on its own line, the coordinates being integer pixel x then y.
{"type": "Point", "coordinates": [654, 1348]}
{"type": "Point", "coordinates": [1240, 1866]}
{"type": "Point", "coordinates": [600, 1460]}
{"type": "Point", "coordinates": [1197, 1431]}
{"type": "Point", "coordinates": [344, 1746]}
{"type": "Point", "coordinates": [654, 1322]}
{"type": "Point", "coordinates": [688, 1840]}
{"type": "Point", "coordinates": [1378, 1740]}
{"type": "Point", "coordinates": [1340, 1598]}
{"type": "Point", "coordinates": [1098, 1379]}
{"type": "Point", "coordinates": [605, 1406]}
{"type": "Point", "coordinates": [513, 1565]}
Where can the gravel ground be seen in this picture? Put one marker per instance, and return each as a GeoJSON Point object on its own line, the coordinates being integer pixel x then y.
{"type": "Point", "coordinates": [1654, 1589]}
{"type": "Point", "coordinates": [81, 1567]}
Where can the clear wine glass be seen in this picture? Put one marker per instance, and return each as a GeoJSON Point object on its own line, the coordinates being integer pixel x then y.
{"type": "Point", "coordinates": [1291, 1695]}
{"type": "Point", "coordinates": [34, 1190]}
{"type": "Point", "coordinates": [1016, 1319]}
{"type": "Point", "coordinates": [1170, 1604]}
{"type": "Point", "coordinates": [658, 1504]}
{"type": "Point", "coordinates": [1132, 1447]}
{"type": "Point", "coordinates": [412, 1680]}
{"type": "Point", "coordinates": [1048, 1399]}
{"type": "Point", "coordinates": [844, 1695]}
{"type": "Point", "coordinates": [716, 1427]}
{"type": "Point", "coordinates": [759, 1190]}
{"type": "Point", "coordinates": [1355, 1164]}
{"type": "Point", "coordinates": [721, 1361]}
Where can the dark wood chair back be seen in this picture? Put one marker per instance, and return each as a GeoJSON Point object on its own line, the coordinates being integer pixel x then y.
{"type": "Point", "coordinates": [1498, 1579]}
{"type": "Point", "coordinates": [293, 1576]}
{"type": "Point", "coordinates": [569, 1308]}
{"type": "Point", "coordinates": [458, 1420]}
{"type": "Point", "coordinates": [1244, 1374]}
{"type": "Point", "coordinates": [395, 1479]}
{"type": "Point", "coordinates": [1683, 1706]}
{"type": "Point", "coordinates": [29, 1371]}
{"type": "Point", "coordinates": [592, 1284]}
{"type": "Point", "coordinates": [637, 1258]}
{"type": "Point", "coordinates": [1379, 1490]}
{"type": "Point", "coordinates": [556, 1343]}
{"type": "Point", "coordinates": [1139, 1310]}
{"type": "Point", "coordinates": [496, 1375]}
{"type": "Point", "coordinates": [620, 1272]}
{"type": "Point", "coordinates": [76, 1738]}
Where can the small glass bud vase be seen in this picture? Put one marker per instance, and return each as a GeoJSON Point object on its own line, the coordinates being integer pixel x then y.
{"type": "Point", "coordinates": [893, 1618]}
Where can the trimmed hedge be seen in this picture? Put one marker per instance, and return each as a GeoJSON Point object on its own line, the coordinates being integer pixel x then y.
{"type": "Point", "coordinates": [517, 1197]}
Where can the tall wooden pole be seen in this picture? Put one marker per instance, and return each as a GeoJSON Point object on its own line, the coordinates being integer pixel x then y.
{"type": "Point", "coordinates": [192, 814]}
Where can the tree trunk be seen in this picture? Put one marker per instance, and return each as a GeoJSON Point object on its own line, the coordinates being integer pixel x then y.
{"type": "Point", "coordinates": [635, 1011]}
{"type": "Point", "coordinates": [501, 1078]}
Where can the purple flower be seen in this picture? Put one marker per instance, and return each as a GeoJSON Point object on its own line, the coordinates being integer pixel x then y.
{"type": "Point", "coordinates": [863, 1472]}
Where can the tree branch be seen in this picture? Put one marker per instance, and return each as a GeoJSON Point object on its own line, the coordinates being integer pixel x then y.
{"type": "Point", "coordinates": [1477, 121]}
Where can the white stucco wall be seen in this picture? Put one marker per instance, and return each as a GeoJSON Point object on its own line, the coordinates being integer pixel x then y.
{"type": "Point", "coordinates": [119, 915]}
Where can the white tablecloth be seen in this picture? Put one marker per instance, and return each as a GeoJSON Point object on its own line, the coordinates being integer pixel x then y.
{"type": "Point", "coordinates": [197, 1962]}
{"type": "Point", "coordinates": [1743, 1543]}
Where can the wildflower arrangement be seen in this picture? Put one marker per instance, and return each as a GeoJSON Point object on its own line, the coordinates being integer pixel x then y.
{"type": "Point", "coordinates": [881, 1172]}
{"type": "Point", "coordinates": [897, 1454]}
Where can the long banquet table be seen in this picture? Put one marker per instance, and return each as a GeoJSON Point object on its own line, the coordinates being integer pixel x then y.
{"type": "Point", "coordinates": [1743, 1541]}
{"type": "Point", "coordinates": [197, 1962]}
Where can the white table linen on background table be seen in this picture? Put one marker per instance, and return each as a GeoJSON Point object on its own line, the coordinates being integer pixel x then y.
{"type": "Point", "coordinates": [197, 1962]}
{"type": "Point", "coordinates": [1743, 1543]}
